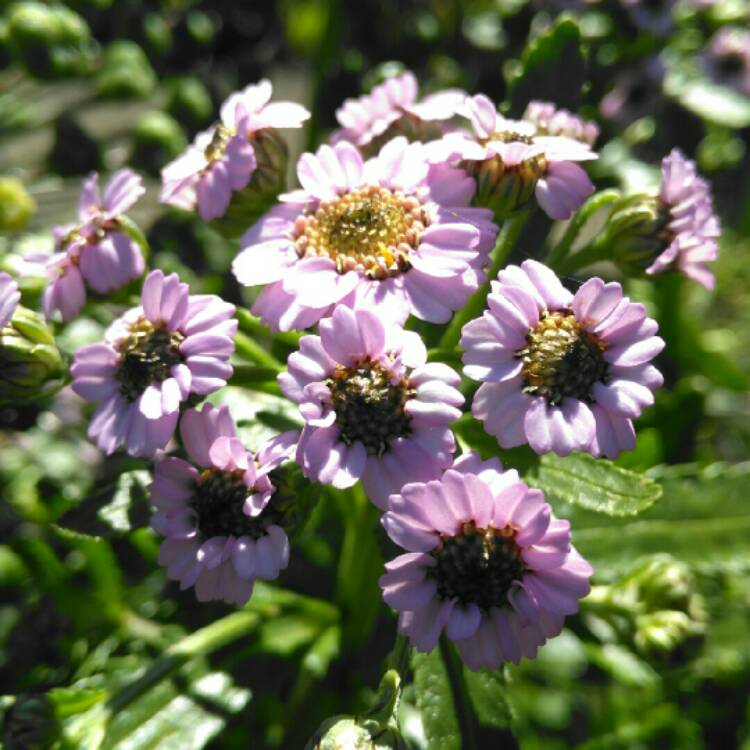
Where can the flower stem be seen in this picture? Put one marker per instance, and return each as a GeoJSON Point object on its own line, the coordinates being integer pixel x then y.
{"type": "Point", "coordinates": [505, 243]}
{"type": "Point", "coordinates": [200, 643]}
{"type": "Point", "coordinates": [592, 253]}
{"type": "Point", "coordinates": [464, 712]}
{"type": "Point", "coordinates": [250, 350]}
{"type": "Point", "coordinates": [597, 201]}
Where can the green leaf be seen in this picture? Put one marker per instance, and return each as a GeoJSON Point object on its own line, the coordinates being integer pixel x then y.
{"type": "Point", "coordinates": [488, 693]}
{"type": "Point", "coordinates": [435, 702]}
{"type": "Point", "coordinates": [623, 665]}
{"type": "Point", "coordinates": [551, 67]}
{"type": "Point", "coordinates": [594, 484]}
{"type": "Point", "coordinates": [708, 100]}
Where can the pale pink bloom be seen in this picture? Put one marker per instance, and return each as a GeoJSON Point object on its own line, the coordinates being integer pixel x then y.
{"type": "Point", "coordinates": [222, 159]}
{"type": "Point", "coordinates": [374, 409]}
{"type": "Point", "coordinates": [692, 225]}
{"type": "Point", "coordinates": [152, 359]}
{"type": "Point", "coordinates": [561, 371]}
{"type": "Point", "coordinates": [97, 253]}
{"type": "Point", "coordinates": [393, 232]}
{"type": "Point", "coordinates": [394, 105]}
{"type": "Point", "coordinates": [547, 119]}
{"type": "Point", "coordinates": [217, 512]}
{"type": "Point", "coordinates": [487, 564]}
{"type": "Point", "coordinates": [728, 58]}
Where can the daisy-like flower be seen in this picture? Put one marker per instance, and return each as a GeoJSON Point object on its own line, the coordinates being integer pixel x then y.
{"type": "Point", "coordinates": [242, 147]}
{"type": "Point", "coordinates": [392, 108]}
{"type": "Point", "coordinates": [548, 120]}
{"type": "Point", "coordinates": [487, 563]}
{"type": "Point", "coordinates": [97, 252]}
{"type": "Point", "coordinates": [561, 371]}
{"type": "Point", "coordinates": [392, 232]}
{"type": "Point", "coordinates": [374, 410]}
{"type": "Point", "coordinates": [511, 161]}
{"type": "Point", "coordinates": [220, 513]}
{"type": "Point", "coordinates": [154, 357]}
{"type": "Point", "coordinates": [690, 226]}
{"type": "Point", "coordinates": [728, 58]}
{"type": "Point", "coordinates": [9, 298]}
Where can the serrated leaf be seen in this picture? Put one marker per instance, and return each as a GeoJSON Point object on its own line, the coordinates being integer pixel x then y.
{"type": "Point", "coordinates": [551, 67]}
{"type": "Point", "coordinates": [594, 484]}
{"type": "Point", "coordinates": [435, 702]}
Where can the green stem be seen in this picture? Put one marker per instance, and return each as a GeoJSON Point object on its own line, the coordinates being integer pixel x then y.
{"type": "Point", "coordinates": [201, 643]}
{"type": "Point", "coordinates": [505, 243]}
{"type": "Point", "coordinates": [593, 252]}
{"type": "Point", "coordinates": [399, 656]}
{"type": "Point", "coordinates": [249, 349]}
{"type": "Point", "coordinates": [576, 224]}
{"type": "Point", "coordinates": [254, 378]}
{"type": "Point", "coordinates": [464, 712]}
{"type": "Point", "coordinates": [250, 325]}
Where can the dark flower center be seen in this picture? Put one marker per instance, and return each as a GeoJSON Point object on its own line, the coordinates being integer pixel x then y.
{"type": "Point", "coordinates": [369, 407]}
{"type": "Point", "coordinates": [561, 359]}
{"type": "Point", "coordinates": [478, 566]}
{"type": "Point", "coordinates": [218, 502]}
{"type": "Point", "coordinates": [371, 230]}
{"type": "Point", "coordinates": [731, 64]}
{"type": "Point", "coordinates": [147, 356]}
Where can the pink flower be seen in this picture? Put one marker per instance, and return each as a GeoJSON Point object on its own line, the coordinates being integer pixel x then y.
{"type": "Point", "coordinates": [391, 232]}
{"type": "Point", "coordinates": [510, 159]}
{"type": "Point", "coordinates": [548, 120]}
{"type": "Point", "coordinates": [223, 159]}
{"type": "Point", "coordinates": [374, 410]}
{"type": "Point", "coordinates": [487, 563]}
{"type": "Point", "coordinates": [153, 357]}
{"type": "Point", "coordinates": [391, 108]}
{"type": "Point", "coordinates": [562, 372]}
{"type": "Point", "coordinates": [9, 298]}
{"type": "Point", "coordinates": [691, 224]}
{"type": "Point", "coordinates": [96, 253]}
{"type": "Point", "coordinates": [218, 513]}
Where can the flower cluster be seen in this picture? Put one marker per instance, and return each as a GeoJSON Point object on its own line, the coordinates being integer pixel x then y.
{"type": "Point", "coordinates": [98, 252]}
{"type": "Point", "coordinates": [392, 229]}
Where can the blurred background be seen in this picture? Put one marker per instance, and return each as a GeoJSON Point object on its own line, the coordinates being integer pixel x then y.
{"type": "Point", "coordinates": [658, 658]}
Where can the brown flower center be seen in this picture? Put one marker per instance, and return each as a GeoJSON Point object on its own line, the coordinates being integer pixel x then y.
{"type": "Point", "coordinates": [369, 406]}
{"type": "Point", "coordinates": [372, 231]}
{"type": "Point", "coordinates": [478, 566]}
{"type": "Point", "coordinates": [561, 359]}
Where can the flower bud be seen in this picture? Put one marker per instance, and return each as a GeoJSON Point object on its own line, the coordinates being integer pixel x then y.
{"type": "Point", "coordinates": [31, 723]}
{"type": "Point", "coordinates": [664, 631]}
{"type": "Point", "coordinates": [158, 139]}
{"type": "Point", "coordinates": [16, 205]}
{"type": "Point", "coordinates": [31, 366]}
{"type": "Point", "coordinates": [377, 730]}
{"type": "Point", "coordinates": [126, 72]}
{"type": "Point", "coordinates": [635, 232]}
{"type": "Point", "coordinates": [664, 583]}
{"type": "Point", "coordinates": [505, 190]}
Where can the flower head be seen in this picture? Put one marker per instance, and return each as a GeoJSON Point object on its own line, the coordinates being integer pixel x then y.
{"type": "Point", "coordinates": [728, 59]}
{"type": "Point", "coordinates": [392, 108]}
{"type": "Point", "coordinates": [511, 160]}
{"type": "Point", "coordinates": [153, 357]}
{"type": "Point", "coordinates": [217, 511]}
{"type": "Point", "coordinates": [9, 298]}
{"type": "Point", "coordinates": [374, 410]}
{"type": "Point", "coordinates": [224, 159]}
{"type": "Point", "coordinates": [561, 371]}
{"type": "Point", "coordinates": [486, 562]}
{"type": "Point", "coordinates": [97, 252]}
{"type": "Point", "coordinates": [548, 120]}
{"type": "Point", "coordinates": [392, 232]}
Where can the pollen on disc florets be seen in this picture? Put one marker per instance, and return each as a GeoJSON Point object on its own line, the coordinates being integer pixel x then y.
{"type": "Point", "coordinates": [218, 501]}
{"type": "Point", "coordinates": [218, 145]}
{"type": "Point", "coordinates": [369, 406]}
{"type": "Point", "coordinates": [372, 231]}
{"type": "Point", "coordinates": [477, 566]}
{"type": "Point", "coordinates": [147, 356]}
{"type": "Point", "coordinates": [561, 359]}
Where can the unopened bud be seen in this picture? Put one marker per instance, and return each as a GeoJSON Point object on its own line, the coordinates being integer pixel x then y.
{"type": "Point", "coordinates": [665, 631]}
{"type": "Point", "coordinates": [31, 723]}
{"type": "Point", "coordinates": [16, 205]}
{"type": "Point", "coordinates": [30, 363]}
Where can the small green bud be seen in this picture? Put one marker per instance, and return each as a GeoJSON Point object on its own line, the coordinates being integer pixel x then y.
{"type": "Point", "coordinates": [31, 366]}
{"type": "Point", "coordinates": [664, 583]}
{"type": "Point", "coordinates": [636, 232]}
{"type": "Point", "coordinates": [377, 730]}
{"type": "Point", "coordinates": [664, 631]}
{"type": "Point", "coordinates": [31, 723]}
{"type": "Point", "coordinates": [16, 205]}
{"type": "Point", "coordinates": [126, 72]}
{"type": "Point", "coordinates": [189, 101]}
